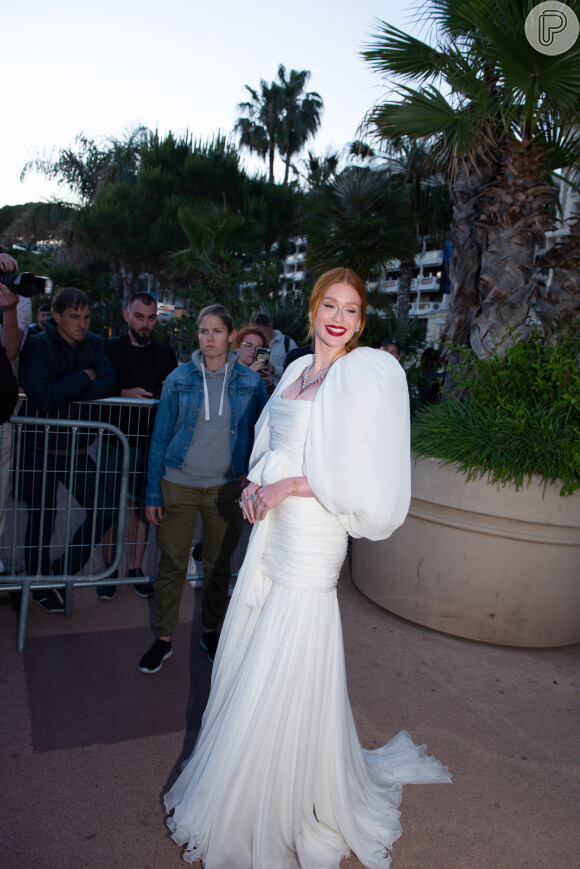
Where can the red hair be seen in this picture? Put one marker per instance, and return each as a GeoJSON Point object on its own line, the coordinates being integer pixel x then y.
{"type": "Point", "coordinates": [249, 330]}
{"type": "Point", "coordinates": [338, 276]}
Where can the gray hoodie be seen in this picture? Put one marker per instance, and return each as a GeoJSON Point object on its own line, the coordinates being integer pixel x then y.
{"type": "Point", "coordinates": [208, 461]}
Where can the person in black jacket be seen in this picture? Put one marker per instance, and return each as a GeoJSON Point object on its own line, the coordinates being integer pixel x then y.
{"type": "Point", "coordinates": [65, 364]}
{"type": "Point", "coordinates": [141, 364]}
{"type": "Point", "coordinates": [42, 315]}
{"type": "Point", "coordinates": [8, 387]}
{"type": "Point", "coordinates": [15, 312]}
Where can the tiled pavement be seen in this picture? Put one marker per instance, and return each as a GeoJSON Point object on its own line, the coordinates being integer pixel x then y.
{"type": "Point", "coordinates": [89, 743]}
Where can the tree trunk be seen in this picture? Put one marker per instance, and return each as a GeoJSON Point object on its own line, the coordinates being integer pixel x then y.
{"type": "Point", "coordinates": [406, 275]}
{"type": "Point", "coordinates": [515, 214]}
{"type": "Point", "coordinates": [271, 161]}
{"type": "Point", "coordinates": [502, 210]}
{"type": "Point", "coordinates": [467, 243]}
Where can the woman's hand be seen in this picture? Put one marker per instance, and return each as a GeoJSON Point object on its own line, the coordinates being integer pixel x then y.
{"type": "Point", "coordinates": [247, 501]}
{"type": "Point", "coordinates": [266, 373]}
{"type": "Point", "coordinates": [154, 514]}
{"type": "Point", "coordinates": [263, 498]}
{"type": "Point", "coordinates": [257, 501]}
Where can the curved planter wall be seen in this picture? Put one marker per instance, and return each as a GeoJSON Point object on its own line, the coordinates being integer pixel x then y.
{"type": "Point", "coordinates": [478, 561]}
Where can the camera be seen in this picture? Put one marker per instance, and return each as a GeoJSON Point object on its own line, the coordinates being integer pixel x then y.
{"type": "Point", "coordinates": [27, 284]}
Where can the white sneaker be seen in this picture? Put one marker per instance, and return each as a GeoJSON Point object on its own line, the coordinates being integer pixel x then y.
{"type": "Point", "coordinates": [195, 572]}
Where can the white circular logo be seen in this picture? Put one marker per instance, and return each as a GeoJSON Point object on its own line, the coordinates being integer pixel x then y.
{"type": "Point", "coordinates": [552, 28]}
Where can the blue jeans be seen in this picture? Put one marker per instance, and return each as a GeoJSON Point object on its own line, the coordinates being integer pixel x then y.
{"type": "Point", "coordinates": [137, 479]}
{"type": "Point", "coordinates": [81, 481]}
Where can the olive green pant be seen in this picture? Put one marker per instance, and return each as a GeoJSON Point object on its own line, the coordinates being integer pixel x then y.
{"type": "Point", "coordinates": [222, 523]}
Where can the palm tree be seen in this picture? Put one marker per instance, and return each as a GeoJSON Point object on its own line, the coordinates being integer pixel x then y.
{"type": "Point", "coordinates": [317, 170]}
{"type": "Point", "coordinates": [301, 115]}
{"type": "Point", "coordinates": [212, 231]}
{"type": "Point", "coordinates": [409, 165]}
{"type": "Point", "coordinates": [361, 219]}
{"type": "Point", "coordinates": [88, 166]}
{"type": "Point", "coordinates": [279, 117]}
{"type": "Point", "coordinates": [258, 131]}
{"type": "Point", "coordinates": [499, 119]}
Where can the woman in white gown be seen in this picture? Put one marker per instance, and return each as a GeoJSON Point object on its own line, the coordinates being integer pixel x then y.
{"type": "Point", "coordinates": [278, 779]}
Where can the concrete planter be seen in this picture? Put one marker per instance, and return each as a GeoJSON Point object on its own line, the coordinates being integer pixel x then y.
{"type": "Point", "coordinates": [478, 561]}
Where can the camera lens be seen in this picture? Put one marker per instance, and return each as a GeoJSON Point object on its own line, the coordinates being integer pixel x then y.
{"type": "Point", "coordinates": [27, 284]}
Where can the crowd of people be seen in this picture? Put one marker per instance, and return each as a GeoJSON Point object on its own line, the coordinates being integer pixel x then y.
{"type": "Point", "coordinates": [251, 428]}
{"type": "Point", "coordinates": [188, 457]}
{"type": "Point", "coordinates": [62, 366]}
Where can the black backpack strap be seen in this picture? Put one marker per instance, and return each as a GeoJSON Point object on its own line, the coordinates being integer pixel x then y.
{"type": "Point", "coordinates": [286, 343]}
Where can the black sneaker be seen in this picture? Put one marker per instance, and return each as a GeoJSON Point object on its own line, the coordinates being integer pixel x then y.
{"type": "Point", "coordinates": [143, 589]}
{"type": "Point", "coordinates": [209, 641]}
{"type": "Point", "coordinates": [152, 660]}
{"type": "Point", "coordinates": [105, 592]}
{"type": "Point", "coordinates": [50, 599]}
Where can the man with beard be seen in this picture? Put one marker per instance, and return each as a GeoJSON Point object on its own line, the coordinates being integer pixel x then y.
{"type": "Point", "coordinates": [141, 364]}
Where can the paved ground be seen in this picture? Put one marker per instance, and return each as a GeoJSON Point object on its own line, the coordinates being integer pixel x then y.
{"type": "Point", "coordinates": [89, 743]}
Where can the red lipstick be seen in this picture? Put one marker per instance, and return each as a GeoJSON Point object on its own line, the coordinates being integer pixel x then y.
{"type": "Point", "coordinates": [335, 331]}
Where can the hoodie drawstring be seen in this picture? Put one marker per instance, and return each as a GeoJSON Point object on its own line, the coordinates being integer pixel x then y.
{"type": "Point", "coordinates": [206, 393]}
{"type": "Point", "coordinates": [223, 391]}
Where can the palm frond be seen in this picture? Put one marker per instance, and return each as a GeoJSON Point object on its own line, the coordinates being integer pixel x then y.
{"type": "Point", "coordinates": [394, 51]}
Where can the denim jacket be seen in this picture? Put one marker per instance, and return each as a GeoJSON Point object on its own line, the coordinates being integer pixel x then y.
{"type": "Point", "coordinates": [177, 415]}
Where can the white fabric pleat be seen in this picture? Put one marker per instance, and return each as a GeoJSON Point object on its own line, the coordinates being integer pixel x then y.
{"type": "Point", "coordinates": [278, 779]}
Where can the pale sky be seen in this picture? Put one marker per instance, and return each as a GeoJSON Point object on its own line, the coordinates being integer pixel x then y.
{"type": "Point", "coordinates": [105, 67]}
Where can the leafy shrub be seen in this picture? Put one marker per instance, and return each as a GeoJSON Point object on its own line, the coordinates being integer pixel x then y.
{"type": "Point", "coordinates": [289, 314]}
{"type": "Point", "coordinates": [520, 415]}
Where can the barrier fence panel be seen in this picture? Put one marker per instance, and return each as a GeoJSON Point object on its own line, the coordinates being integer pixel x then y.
{"type": "Point", "coordinates": [72, 497]}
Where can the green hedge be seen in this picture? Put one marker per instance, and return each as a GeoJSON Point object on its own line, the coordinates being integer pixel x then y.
{"type": "Point", "coordinates": [520, 415]}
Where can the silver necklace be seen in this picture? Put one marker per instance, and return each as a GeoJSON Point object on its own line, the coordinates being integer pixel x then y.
{"type": "Point", "coordinates": [306, 384]}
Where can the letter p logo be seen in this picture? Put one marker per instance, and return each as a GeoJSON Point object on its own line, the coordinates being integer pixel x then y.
{"type": "Point", "coordinates": [552, 27]}
{"type": "Point", "coordinates": [550, 24]}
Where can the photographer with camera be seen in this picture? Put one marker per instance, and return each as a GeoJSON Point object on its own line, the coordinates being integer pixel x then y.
{"type": "Point", "coordinates": [16, 309]}
{"type": "Point", "coordinates": [8, 388]}
{"type": "Point", "coordinates": [15, 316]}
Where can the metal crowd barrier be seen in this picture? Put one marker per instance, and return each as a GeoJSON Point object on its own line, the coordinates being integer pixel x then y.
{"type": "Point", "coordinates": [62, 473]}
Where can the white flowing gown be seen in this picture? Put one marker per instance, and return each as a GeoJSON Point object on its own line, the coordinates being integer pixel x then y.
{"type": "Point", "coordinates": [278, 779]}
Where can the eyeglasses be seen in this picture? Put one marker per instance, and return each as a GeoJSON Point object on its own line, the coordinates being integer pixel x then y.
{"type": "Point", "coordinates": [249, 346]}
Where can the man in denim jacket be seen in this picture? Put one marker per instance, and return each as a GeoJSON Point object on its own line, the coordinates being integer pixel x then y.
{"type": "Point", "coordinates": [198, 459]}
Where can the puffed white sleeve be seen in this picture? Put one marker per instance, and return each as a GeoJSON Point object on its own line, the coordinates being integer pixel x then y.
{"type": "Point", "coordinates": [357, 459]}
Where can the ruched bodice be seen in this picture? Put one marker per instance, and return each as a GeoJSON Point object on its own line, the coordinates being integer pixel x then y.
{"type": "Point", "coordinates": [286, 560]}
